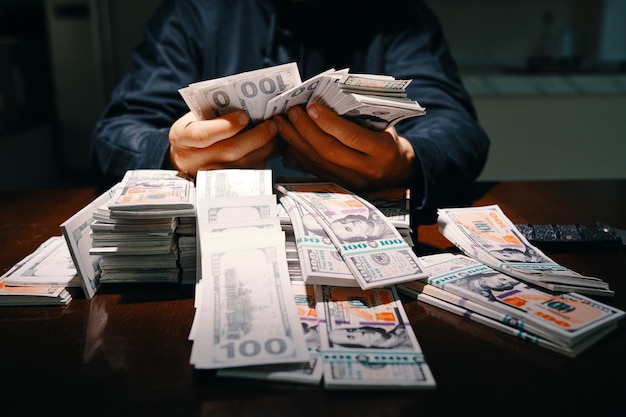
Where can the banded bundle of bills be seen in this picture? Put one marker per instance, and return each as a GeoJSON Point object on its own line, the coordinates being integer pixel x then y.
{"type": "Point", "coordinates": [245, 308]}
{"type": "Point", "coordinates": [42, 277]}
{"type": "Point", "coordinates": [319, 259]}
{"type": "Point", "coordinates": [134, 233]}
{"type": "Point", "coordinates": [372, 101]}
{"type": "Point", "coordinates": [567, 323]}
{"type": "Point", "coordinates": [367, 341]}
{"type": "Point", "coordinates": [487, 235]}
{"type": "Point", "coordinates": [370, 245]}
{"type": "Point", "coordinates": [309, 372]}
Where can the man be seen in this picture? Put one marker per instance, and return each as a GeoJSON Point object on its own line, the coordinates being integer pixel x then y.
{"type": "Point", "coordinates": [148, 125]}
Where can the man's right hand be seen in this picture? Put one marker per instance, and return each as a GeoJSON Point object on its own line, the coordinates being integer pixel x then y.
{"type": "Point", "coordinates": [220, 143]}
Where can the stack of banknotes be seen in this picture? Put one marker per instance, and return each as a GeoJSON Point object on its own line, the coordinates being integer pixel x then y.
{"type": "Point", "coordinates": [567, 323]}
{"type": "Point", "coordinates": [42, 277]}
{"type": "Point", "coordinates": [134, 233]}
{"type": "Point", "coordinates": [131, 232]}
{"type": "Point", "coordinates": [370, 100]}
{"type": "Point", "coordinates": [257, 318]}
{"type": "Point", "coordinates": [487, 235]}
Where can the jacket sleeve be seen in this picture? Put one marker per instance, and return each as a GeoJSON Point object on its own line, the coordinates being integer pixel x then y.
{"type": "Point", "coordinates": [450, 145]}
{"type": "Point", "coordinates": [132, 131]}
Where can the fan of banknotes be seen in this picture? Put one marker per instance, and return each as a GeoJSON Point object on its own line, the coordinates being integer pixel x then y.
{"type": "Point", "coordinates": [372, 101]}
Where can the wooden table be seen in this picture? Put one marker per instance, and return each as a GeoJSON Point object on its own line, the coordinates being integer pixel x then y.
{"type": "Point", "coordinates": [125, 352]}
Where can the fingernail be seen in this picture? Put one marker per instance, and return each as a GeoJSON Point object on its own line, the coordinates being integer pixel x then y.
{"type": "Point", "coordinates": [313, 112]}
{"type": "Point", "coordinates": [243, 118]}
{"type": "Point", "coordinates": [273, 127]}
{"type": "Point", "coordinates": [293, 114]}
{"type": "Point", "coordinates": [278, 124]}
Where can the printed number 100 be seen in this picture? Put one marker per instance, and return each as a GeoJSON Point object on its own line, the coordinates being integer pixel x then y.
{"type": "Point", "coordinates": [249, 348]}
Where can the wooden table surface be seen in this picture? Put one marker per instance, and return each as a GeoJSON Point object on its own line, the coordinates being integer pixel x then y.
{"type": "Point", "coordinates": [125, 352]}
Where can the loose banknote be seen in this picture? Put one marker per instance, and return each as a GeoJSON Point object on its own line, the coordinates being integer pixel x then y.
{"type": "Point", "coordinates": [247, 314]}
{"type": "Point", "coordinates": [367, 341]}
{"type": "Point", "coordinates": [233, 183]}
{"type": "Point", "coordinates": [370, 245]}
{"type": "Point", "coordinates": [486, 234]}
{"type": "Point", "coordinates": [76, 231]}
{"type": "Point", "coordinates": [49, 265]}
{"type": "Point", "coordinates": [249, 91]}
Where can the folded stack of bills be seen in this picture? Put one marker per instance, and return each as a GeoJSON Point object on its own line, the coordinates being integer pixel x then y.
{"type": "Point", "coordinates": [487, 235]}
{"type": "Point", "coordinates": [567, 323]}
{"type": "Point", "coordinates": [42, 277]}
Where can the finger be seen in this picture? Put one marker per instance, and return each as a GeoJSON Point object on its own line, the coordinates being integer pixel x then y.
{"type": "Point", "coordinates": [349, 133]}
{"type": "Point", "coordinates": [190, 132]}
{"type": "Point", "coordinates": [250, 146]}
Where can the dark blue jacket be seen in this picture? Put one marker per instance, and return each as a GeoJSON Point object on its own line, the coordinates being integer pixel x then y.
{"type": "Point", "coordinates": [194, 40]}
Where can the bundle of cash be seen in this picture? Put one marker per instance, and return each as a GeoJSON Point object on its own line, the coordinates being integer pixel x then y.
{"type": "Point", "coordinates": [487, 235]}
{"type": "Point", "coordinates": [370, 100]}
{"type": "Point", "coordinates": [245, 308]}
{"type": "Point", "coordinates": [309, 372]}
{"type": "Point", "coordinates": [77, 232]}
{"type": "Point", "coordinates": [319, 259]}
{"type": "Point", "coordinates": [42, 277]}
{"type": "Point", "coordinates": [567, 323]}
{"type": "Point", "coordinates": [134, 234]}
{"type": "Point", "coordinates": [153, 193]}
{"type": "Point", "coordinates": [372, 248]}
{"type": "Point", "coordinates": [367, 341]}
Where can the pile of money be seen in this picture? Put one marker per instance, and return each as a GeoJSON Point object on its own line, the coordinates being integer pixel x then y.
{"type": "Point", "coordinates": [257, 318]}
{"type": "Point", "coordinates": [567, 323]}
{"type": "Point", "coordinates": [370, 100]}
{"type": "Point", "coordinates": [134, 234]}
{"type": "Point", "coordinates": [42, 277]}
{"type": "Point", "coordinates": [487, 235]}
{"type": "Point", "coordinates": [369, 244]}
{"type": "Point", "coordinates": [245, 308]}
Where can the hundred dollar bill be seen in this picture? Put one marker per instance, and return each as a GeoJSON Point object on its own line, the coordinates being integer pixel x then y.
{"type": "Point", "coordinates": [571, 351]}
{"type": "Point", "coordinates": [569, 318]}
{"type": "Point", "coordinates": [249, 91]}
{"type": "Point", "coordinates": [76, 231]}
{"type": "Point", "coordinates": [306, 372]}
{"type": "Point", "coordinates": [487, 235]}
{"type": "Point", "coordinates": [298, 95]}
{"type": "Point", "coordinates": [153, 192]}
{"type": "Point", "coordinates": [30, 295]}
{"type": "Point", "coordinates": [231, 183]}
{"type": "Point", "coordinates": [247, 315]}
{"type": "Point", "coordinates": [241, 209]}
{"type": "Point", "coordinates": [320, 262]}
{"type": "Point", "coordinates": [375, 84]}
{"type": "Point", "coordinates": [370, 245]}
{"type": "Point", "coordinates": [367, 340]}
{"type": "Point", "coordinates": [49, 265]}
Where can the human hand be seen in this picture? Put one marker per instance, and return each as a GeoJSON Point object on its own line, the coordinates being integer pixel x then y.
{"type": "Point", "coordinates": [336, 149]}
{"type": "Point", "coordinates": [220, 143]}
